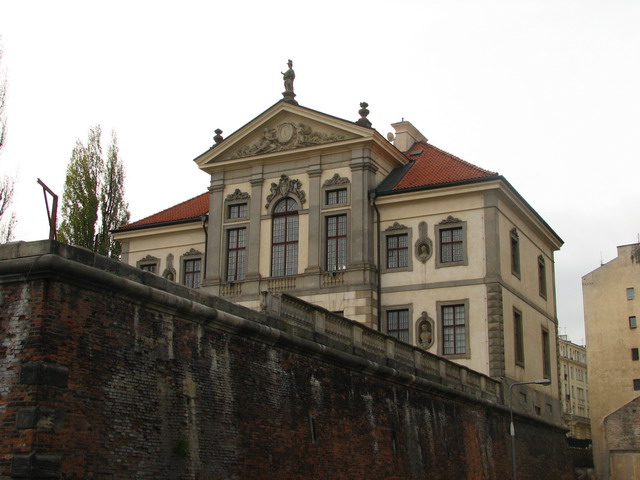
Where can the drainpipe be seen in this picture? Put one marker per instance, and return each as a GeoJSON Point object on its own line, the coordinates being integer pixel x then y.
{"type": "Point", "coordinates": [372, 198]}
{"type": "Point", "coordinates": [204, 218]}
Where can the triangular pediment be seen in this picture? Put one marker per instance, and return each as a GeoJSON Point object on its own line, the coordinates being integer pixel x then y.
{"type": "Point", "coordinates": [283, 128]}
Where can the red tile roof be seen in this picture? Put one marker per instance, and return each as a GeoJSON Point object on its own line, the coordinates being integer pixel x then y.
{"type": "Point", "coordinates": [190, 210]}
{"type": "Point", "coordinates": [432, 166]}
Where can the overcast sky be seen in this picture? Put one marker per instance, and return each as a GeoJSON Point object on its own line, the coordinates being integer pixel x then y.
{"type": "Point", "coordinates": [546, 92]}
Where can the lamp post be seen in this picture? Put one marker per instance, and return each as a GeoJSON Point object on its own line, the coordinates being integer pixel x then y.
{"type": "Point", "coordinates": [544, 381]}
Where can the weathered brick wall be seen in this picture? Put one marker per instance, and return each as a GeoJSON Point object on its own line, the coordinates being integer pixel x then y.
{"type": "Point", "coordinates": [104, 377]}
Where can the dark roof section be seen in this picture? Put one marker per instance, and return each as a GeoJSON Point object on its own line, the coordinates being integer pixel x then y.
{"type": "Point", "coordinates": [185, 212]}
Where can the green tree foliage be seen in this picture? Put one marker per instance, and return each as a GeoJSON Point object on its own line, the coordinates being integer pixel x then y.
{"type": "Point", "coordinates": [93, 201]}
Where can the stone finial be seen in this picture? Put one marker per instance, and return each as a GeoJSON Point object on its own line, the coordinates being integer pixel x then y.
{"type": "Point", "coordinates": [218, 137]}
{"type": "Point", "coordinates": [363, 121]}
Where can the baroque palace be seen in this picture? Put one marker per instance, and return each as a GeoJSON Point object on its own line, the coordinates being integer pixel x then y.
{"type": "Point", "coordinates": [392, 232]}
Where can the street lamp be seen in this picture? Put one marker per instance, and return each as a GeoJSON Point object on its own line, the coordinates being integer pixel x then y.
{"type": "Point", "coordinates": [544, 381]}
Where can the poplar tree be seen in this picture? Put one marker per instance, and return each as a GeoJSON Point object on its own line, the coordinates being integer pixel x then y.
{"type": "Point", "coordinates": [6, 183]}
{"type": "Point", "coordinates": [93, 200]}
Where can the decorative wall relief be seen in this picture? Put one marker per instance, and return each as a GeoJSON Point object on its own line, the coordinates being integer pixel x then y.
{"type": "Point", "coordinates": [425, 327]}
{"type": "Point", "coordinates": [336, 180]}
{"type": "Point", "coordinates": [450, 219]}
{"type": "Point", "coordinates": [238, 195]}
{"type": "Point", "coordinates": [170, 272]}
{"type": "Point", "coordinates": [424, 245]}
{"type": "Point", "coordinates": [286, 136]}
{"type": "Point", "coordinates": [395, 226]}
{"type": "Point", "coordinates": [284, 188]}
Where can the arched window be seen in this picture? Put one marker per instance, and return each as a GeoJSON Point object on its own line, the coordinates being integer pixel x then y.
{"type": "Point", "coordinates": [284, 238]}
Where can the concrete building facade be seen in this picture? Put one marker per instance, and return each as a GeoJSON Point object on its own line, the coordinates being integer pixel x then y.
{"type": "Point", "coordinates": [611, 308]}
{"type": "Point", "coordinates": [394, 233]}
{"type": "Point", "coordinates": [574, 388]}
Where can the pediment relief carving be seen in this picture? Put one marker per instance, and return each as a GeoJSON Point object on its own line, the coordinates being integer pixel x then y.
{"type": "Point", "coordinates": [286, 136]}
{"type": "Point", "coordinates": [450, 219]}
{"type": "Point", "coordinates": [395, 226]}
{"type": "Point", "coordinates": [336, 180]}
{"type": "Point", "coordinates": [238, 195]}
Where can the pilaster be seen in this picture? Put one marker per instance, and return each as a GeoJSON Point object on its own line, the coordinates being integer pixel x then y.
{"type": "Point", "coordinates": [214, 239]}
{"type": "Point", "coordinates": [253, 256]}
{"type": "Point", "coordinates": [363, 171]}
{"type": "Point", "coordinates": [315, 228]}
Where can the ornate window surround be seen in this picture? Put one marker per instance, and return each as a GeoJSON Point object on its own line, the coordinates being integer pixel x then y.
{"type": "Point", "coordinates": [336, 183]}
{"type": "Point", "coordinates": [192, 254]}
{"type": "Point", "coordinates": [236, 198]}
{"type": "Point", "coordinates": [285, 188]}
{"type": "Point", "coordinates": [149, 260]}
{"type": "Point", "coordinates": [396, 229]}
{"type": "Point", "coordinates": [451, 222]}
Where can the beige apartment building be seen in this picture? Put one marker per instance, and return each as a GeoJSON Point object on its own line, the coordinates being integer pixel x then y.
{"type": "Point", "coordinates": [388, 230]}
{"type": "Point", "coordinates": [611, 308]}
{"type": "Point", "coordinates": [574, 388]}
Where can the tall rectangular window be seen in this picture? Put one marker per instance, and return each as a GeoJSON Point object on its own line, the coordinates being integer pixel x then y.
{"type": "Point", "coordinates": [518, 338]}
{"type": "Point", "coordinates": [636, 384]}
{"type": "Point", "coordinates": [542, 277]}
{"type": "Point", "coordinates": [336, 242]}
{"type": "Point", "coordinates": [192, 271]}
{"type": "Point", "coordinates": [631, 293]}
{"type": "Point", "coordinates": [633, 323]}
{"type": "Point", "coordinates": [635, 354]}
{"type": "Point", "coordinates": [515, 253]}
{"type": "Point", "coordinates": [397, 251]}
{"type": "Point", "coordinates": [398, 324]}
{"type": "Point", "coordinates": [546, 355]}
{"type": "Point", "coordinates": [238, 210]}
{"type": "Point", "coordinates": [284, 238]}
{"type": "Point", "coordinates": [454, 330]}
{"type": "Point", "coordinates": [451, 245]}
{"type": "Point", "coordinates": [236, 253]}
{"type": "Point", "coordinates": [336, 197]}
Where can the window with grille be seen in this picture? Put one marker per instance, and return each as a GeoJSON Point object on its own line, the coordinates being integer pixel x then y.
{"type": "Point", "coordinates": [336, 242]}
{"type": "Point", "coordinates": [398, 324]}
{"type": "Point", "coordinates": [454, 330]}
{"type": "Point", "coordinates": [284, 238]}
{"type": "Point", "coordinates": [149, 267]}
{"type": "Point", "coordinates": [236, 253]}
{"type": "Point", "coordinates": [336, 197]}
{"type": "Point", "coordinates": [239, 210]}
{"type": "Point", "coordinates": [192, 270]}
{"type": "Point", "coordinates": [397, 251]}
{"type": "Point", "coordinates": [451, 245]}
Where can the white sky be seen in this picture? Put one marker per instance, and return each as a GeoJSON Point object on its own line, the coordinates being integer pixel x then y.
{"type": "Point", "coordinates": [545, 92]}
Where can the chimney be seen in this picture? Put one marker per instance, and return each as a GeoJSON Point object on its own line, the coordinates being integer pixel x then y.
{"type": "Point", "coordinates": [406, 135]}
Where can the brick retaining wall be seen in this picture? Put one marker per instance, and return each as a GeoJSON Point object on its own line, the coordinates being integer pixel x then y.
{"type": "Point", "coordinates": [107, 372]}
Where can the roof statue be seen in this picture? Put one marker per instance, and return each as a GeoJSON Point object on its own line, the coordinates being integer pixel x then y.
{"type": "Point", "coordinates": [288, 77]}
